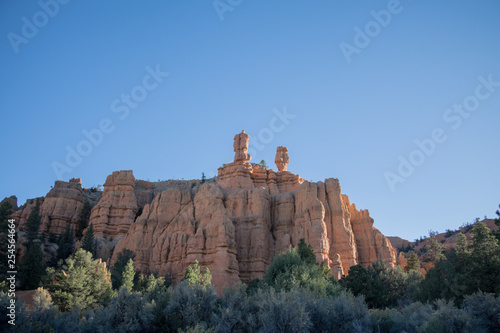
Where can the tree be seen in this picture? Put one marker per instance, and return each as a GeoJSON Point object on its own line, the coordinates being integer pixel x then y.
{"type": "Point", "coordinates": [306, 252]}
{"type": "Point", "coordinates": [483, 264]}
{"type": "Point", "coordinates": [83, 219]}
{"type": "Point", "coordinates": [5, 212]}
{"type": "Point", "coordinates": [263, 164]}
{"type": "Point", "coordinates": [79, 281]}
{"type": "Point", "coordinates": [497, 222]}
{"type": "Point", "coordinates": [288, 271]}
{"type": "Point", "coordinates": [119, 267]}
{"type": "Point", "coordinates": [434, 249]}
{"type": "Point", "coordinates": [412, 263]}
{"type": "Point", "coordinates": [128, 275]}
{"type": "Point", "coordinates": [88, 242]}
{"type": "Point", "coordinates": [194, 275]}
{"type": "Point", "coordinates": [203, 178]}
{"type": "Point", "coordinates": [66, 244]}
{"type": "Point", "coordinates": [32, 225]}
{"type": "Point", "coordinates": [32, 267]}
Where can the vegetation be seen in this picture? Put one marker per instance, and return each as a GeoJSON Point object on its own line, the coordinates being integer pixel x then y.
{"type": "Point", "coordinates": [88, 241]}
{"type": "Point", "coordinates": [32, 266]}
{"type": "Point", "coordinates": [117, 270]}
{"type": "Point", "coordinates": [66, 244]}
{"type": "Point", "coordinates": [79, 281]}
{"type": "Point", "coordinates": [5, 212]}
{"type": "Point", "coordinates": [83, 219]}
{"type": "Point", "coordinates": [461, 293]}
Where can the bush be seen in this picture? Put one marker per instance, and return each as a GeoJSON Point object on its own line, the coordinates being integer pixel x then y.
{"type": "Point", "coordinates": [484, 312]}
{"type": "Point", "coordinates": [281, 312]}
{"type": "Point", "coordinates": [190, 305]}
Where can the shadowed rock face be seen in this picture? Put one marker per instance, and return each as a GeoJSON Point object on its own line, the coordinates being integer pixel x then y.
{"type": "Point", "coordinates": [234, 225]}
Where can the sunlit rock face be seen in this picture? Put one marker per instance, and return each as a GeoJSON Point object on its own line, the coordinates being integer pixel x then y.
{"type": "Point", "coordinates": [234, 224]}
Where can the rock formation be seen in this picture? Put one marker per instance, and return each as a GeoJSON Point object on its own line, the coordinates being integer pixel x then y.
{"type": "Point", "coordinates": [240, 146]}
{"type": "Point", "coordinates": [60, 207]}
{"type": "Point", "coordinates": [281, 158]}
{"type": "Point", "coordinates": [234, 224]}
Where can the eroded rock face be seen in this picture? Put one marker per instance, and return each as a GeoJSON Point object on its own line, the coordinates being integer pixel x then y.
{"type": "Point", "coordinates": [237, 225]}
{"type": "Point", "coordinates": [60, 207]}
{"type": "Point", "coordinates": [234, 225]}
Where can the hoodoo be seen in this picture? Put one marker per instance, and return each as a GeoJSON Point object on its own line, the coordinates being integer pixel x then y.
{"type": "Point", "coordinates": [234, 224]}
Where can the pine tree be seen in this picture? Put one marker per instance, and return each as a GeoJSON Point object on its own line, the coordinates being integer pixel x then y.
{"type": "Point", "coordinates": [119, 267]}
{"type": "Point", "coordinates": [203, 178]}
{"type": "Point", "coordinates": [128, 275]}
{"type": "Point", "coordinates": [434, 249]}
{"type": "Point", "coordinates": [413, 263]}
{"type": "Point", "coordinates": [33, 224]}
{"type": "Point", "coordinates": [66, 244]}
{"type": "Point", "coordinates": [32, 267]}
{"type": "Point", "coordinates": [83, 219]}
{"type": "Point", "coordinates": [88, 243]}
{"type": "Point", "coordinates": [79, 281]}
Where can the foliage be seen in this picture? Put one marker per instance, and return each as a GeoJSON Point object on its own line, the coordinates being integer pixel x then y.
{"type": "Point", "coordinates": [128, 275]}
{"type": "Point", "coordinates": [42, 300]}
{"type": "Point", "coordinates": [306, 252]}
{"type": "Point", "coordinates": [469, 269]}
{"type": "Point", "coordinates": [381, 285]}
{"type": "Point", "coordinates": [119, 267]}
{"type": "Point", "coordinates": [32, 267]}
{"type": "Point", "coordinates": [80, 281]}
{"type": "Point", "coordinates": [5, 212]}
{"type": "Point", "coordinates": [66, 244]}
{"type": "Point", "coordinates": [191, 304]}
{"type": "Point", "coordinates": [32, 225]}
{"type": "Point", "coordinates": [290, 271]}
{"type": "Point", "coordinates": [434, 250]}
{"type": "Point", "coordinates": [194, 276]}
{"type": "Point", "coordinates": [83, 218]}
{"type": "Point", "coordinates": [89, 242]}
{"type": "Point", "coordinates": [412, 263]}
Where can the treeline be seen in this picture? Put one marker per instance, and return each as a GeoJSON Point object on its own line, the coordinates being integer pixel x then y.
{"type": "Point", "coordinates": [296, 294]}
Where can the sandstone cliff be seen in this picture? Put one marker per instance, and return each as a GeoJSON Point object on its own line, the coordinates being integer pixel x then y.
{"type": "Point", "coordinates": [233, 224]}
{"type": "Point", "coordinates": [60, 207]}
{"type": "Point", "coordinates": [236, 225]}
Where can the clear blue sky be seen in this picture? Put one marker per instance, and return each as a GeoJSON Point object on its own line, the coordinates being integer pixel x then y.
{"type": "Point", "coordinates": [352, 119]}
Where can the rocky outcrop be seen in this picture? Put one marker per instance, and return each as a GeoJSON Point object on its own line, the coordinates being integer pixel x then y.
{"type": "Point", "coordinates": [237, 225]}
{"type": "Point", "coordinates": [281, 158]}
{"type": "Point", "coordinates": [61, 207]}
{"type": "Point", "coordinates": [234, 224]}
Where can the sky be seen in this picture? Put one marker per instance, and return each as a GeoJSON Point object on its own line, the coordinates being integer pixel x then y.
{"type": "Point", "coordinates": [399, 100]}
